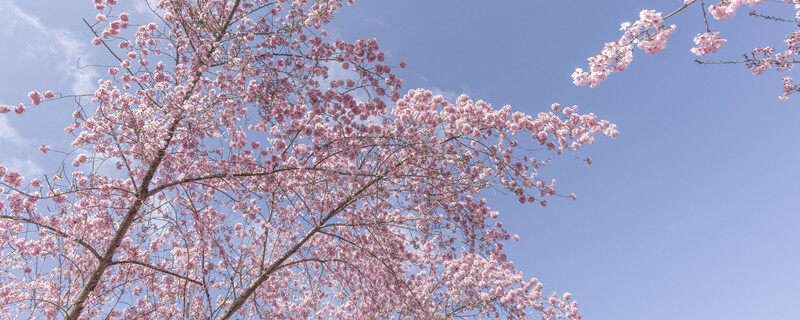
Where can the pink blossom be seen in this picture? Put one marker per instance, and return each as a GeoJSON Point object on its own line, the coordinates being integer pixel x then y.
{"type": "Point", "coordinates": [36, 97]}
{"type": "Point", "coordinates": [788, 87]}
{"type": "Point", "coordinates": [79, 160]}
{"type": "Point", "coordinates": [59, 197]}
{"type": "Point", "coordinates": [727, 9]}
{"type": "Point", "coordinates": [227, 146]}
{"type": "Point", "coordinates": [707, 43]}
{"type": "Point", "coordinates": [13, 178]}
{"type": "Point", "coordinates": [617, 56]}
{"type": "Point", "coordinates": [649, 33]}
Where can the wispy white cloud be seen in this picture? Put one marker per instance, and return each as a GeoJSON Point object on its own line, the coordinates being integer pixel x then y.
{"type": "Point", "coordinates": [8, 133]}
{"type": "Point", "coordinates": [148, 8]}
{"type": "Point", "coordinates": [52, 41]}
{"type": "Point", "coordinates": [375, 22]}
{"type": "Point", "coordinates": [141, 7]}
{"type": "Point", "coordinates": [25, 166]}
{"type": "Point", "coordinates": [449, 95]}
{"type": "Point", "coordinates": [10, 139]}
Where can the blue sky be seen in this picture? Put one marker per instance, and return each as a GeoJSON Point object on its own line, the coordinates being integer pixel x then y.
{"type": "Point", "coordinates": [692, 213]}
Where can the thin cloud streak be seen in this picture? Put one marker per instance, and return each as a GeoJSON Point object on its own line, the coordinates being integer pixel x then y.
{"type": "Point", "coordinates": [24, 166]}
{"type": "Point", "coordinates": [55, 41]}
{"type": "Point", "coordinates": [8, 133]}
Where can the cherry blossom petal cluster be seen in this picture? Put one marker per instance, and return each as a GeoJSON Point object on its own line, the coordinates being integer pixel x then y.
{"type": "Point", "coordinates": [238, 163]}
{"type": "Point", "coordinates": [707, 43]}
{"type": "Point", "coordinates": [649, 33]}
{"type": "Point", "coordinates": [727, 8]}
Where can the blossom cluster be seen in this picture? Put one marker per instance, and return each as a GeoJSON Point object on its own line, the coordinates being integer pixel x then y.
{"type": "Point", "coordinates": [649, 33]}
{"type": "Point", "coordinates": [224, 170]}
{"type": "Point", "coordinates": [707, 43]}
{"type": "Point", "coordinates": [727, 8]}
{"type": "Point", "coordinates": [617, 56]}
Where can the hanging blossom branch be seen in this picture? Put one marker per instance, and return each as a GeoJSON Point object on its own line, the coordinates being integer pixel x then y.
{"type": "Point", "coordinates": [617, 56]}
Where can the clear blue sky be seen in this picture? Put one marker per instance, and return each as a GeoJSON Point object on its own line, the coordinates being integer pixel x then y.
{"type": "Point", "coordinates": [692, 213]}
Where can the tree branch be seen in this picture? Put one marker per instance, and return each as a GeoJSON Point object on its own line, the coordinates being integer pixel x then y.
{"type": "Point", "coordinates": [156, 269]}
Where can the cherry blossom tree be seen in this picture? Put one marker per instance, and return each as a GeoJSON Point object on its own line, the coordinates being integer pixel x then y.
{"type": "Point", "coordinates": [651, 32]}
{"type": "Point", "coordinates": [220, 171]}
